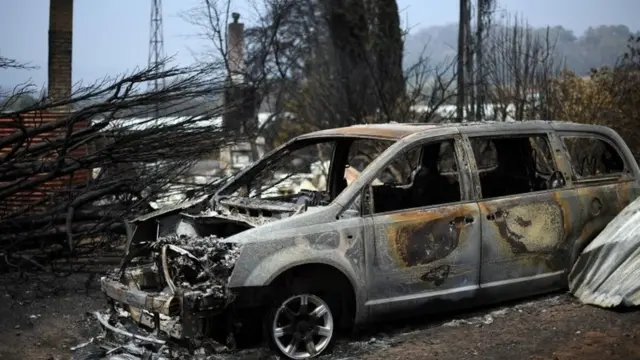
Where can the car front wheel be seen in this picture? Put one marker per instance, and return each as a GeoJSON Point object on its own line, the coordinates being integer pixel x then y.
{"type": "Point", "coordinates": [301, 326]}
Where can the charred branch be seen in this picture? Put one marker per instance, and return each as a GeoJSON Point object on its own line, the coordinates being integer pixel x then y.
{"type": "Point", "coordinates": [69, 177]}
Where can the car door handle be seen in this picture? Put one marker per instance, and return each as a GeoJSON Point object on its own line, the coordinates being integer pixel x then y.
{"type": "Point", "coordinates": [496, 215]}
{"type": "Point", "coordinates": [461, 219]}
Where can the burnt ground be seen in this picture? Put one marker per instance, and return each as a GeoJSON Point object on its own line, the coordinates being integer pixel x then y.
{"type": "Point", "coordinates": [43, 319]}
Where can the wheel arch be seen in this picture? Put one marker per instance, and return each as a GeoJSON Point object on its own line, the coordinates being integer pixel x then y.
{"type": "Point", "coordinates": [330, 273]}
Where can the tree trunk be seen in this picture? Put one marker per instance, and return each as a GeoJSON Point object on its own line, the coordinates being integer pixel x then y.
{"type": "Point", "coordinates": [349, 34]}
{"type": "Point", "coordinates": [388, 45]}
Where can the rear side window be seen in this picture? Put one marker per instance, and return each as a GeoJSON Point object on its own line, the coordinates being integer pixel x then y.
{"type": "Point", "coordinates": [513, 165]}
{"type": "Point", "coordinates": [592, 157]}
{"type": "Point", "coordinates": [486, 154]}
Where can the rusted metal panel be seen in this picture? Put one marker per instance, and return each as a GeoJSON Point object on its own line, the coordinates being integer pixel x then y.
{"type": "Point", "coordinates": [379, 131]}
{"type": "Point", "coordinates": [396, 131]}
{"type": "Point", "coordinates": [606, 273]}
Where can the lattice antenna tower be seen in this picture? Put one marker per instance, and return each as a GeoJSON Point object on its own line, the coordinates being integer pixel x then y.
{"type": "Point", "coordinates": [156, 42]}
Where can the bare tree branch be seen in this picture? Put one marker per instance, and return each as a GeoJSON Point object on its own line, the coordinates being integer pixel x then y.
{"type": "Point", "coordinates": [69, 177]}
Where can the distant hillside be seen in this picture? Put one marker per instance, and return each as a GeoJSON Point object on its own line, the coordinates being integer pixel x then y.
{"type": "Point", "coordinates": [597, 46]}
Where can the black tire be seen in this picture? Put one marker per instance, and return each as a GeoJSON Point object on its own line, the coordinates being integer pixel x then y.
{"type": "Point", "coordinates": [330, 301]}
{"type": "Point", "coordinates": [251, 330]}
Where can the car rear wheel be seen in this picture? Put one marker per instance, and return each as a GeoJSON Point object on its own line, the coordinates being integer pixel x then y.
{"type": "Point", "coordinates": [301, 326]}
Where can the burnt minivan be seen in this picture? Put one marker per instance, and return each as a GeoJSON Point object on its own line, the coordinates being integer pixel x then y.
{"type": "Point", "coordinates": [402, 219]}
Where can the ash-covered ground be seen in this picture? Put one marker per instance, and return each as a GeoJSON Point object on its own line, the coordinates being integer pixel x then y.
{"type": "Point", "coordinates": [44, 319]}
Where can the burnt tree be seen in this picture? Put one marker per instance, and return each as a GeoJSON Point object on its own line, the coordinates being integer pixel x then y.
{"type": "Point", "coordinates": [109, 158]}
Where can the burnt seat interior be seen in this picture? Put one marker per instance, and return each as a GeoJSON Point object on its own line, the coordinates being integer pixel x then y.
{"type": "Point", "coordinates": [427, 186]}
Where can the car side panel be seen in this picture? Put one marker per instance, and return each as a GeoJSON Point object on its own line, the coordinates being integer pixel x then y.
{"type": "Point", "coordinates": [426, 259]}
{"type": "Point", "coordinates": [600, 204]}
{"type": "Point", "coordinates": [422, 256]}
{"type": "Point", "coordinates": [599, 201]}
{"type": "Point", "coordinates": [525, 239]}
{"type": "Point", "coordinates": [338, 244]}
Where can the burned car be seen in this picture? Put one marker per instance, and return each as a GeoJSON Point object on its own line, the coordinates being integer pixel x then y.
{"type": "Point", "coordinates": [410, 218]}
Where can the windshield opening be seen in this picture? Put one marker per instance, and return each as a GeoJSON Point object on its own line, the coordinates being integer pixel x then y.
{"type": "Point", "coordinates": [300, 172]}
{"type": "Point", "coordinates": [301, 167]}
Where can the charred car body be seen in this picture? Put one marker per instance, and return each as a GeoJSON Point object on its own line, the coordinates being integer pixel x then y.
{"type": "Point", "coordinates": [440, 216]}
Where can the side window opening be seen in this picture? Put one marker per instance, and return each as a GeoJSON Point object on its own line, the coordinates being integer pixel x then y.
{"type": "Point", "coordinates": [398, 173]}
{"type": "Point", "coordinates": [485, 154]}
{"type": "Point", "coordinates": [514, 165]}
{"type": "Point", "coordinates": [361, 153]}
{"type": "Point", "coordinates": [423, 176]}
{"type": "Point", "coordinates": [592, 157]}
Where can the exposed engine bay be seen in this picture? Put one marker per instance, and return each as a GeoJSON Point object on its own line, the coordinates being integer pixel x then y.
{"type": "Point", "coordinates": [177, 265]}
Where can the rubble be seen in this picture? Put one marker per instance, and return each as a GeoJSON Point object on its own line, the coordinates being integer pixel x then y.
{"type": "Point", "coordinates": [606, 273]}
{"type": "Point", "coordinates": [489, 318]}
{"type": "Point", "coordinates": [477, 320]}
{"type": "Point", "coordinates": [124, 339]}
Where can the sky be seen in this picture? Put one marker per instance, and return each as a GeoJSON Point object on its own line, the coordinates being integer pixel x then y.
{"type": "Point", "coordinates": [112, 37]}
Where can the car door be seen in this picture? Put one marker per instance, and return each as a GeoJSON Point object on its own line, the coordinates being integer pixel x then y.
{"type": "Point", "coordinates": [604, 182]}
{"type": "Point", "coordinates": [525, 216]}
{"type": "Point", "coordinates": [425, 253]}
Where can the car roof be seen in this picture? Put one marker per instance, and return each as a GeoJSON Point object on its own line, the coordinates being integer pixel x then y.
{"type": "Point", "coordinates": [397, 131]}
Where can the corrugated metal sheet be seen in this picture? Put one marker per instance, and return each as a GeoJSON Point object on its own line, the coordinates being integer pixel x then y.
{"type": "Point", "coordinates": [25, 199]}
{"type": "Point", "coordinates": [607, 273]}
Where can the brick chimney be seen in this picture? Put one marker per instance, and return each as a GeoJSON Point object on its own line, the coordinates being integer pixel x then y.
{"type": "Point", "coordinates": [235, 49]}
{"type": "Point", "coordinates": [239, 99]}
{"type": "Point", "coordinates": [60, 45]}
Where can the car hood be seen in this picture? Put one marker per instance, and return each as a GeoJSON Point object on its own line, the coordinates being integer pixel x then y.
{"type": "Point", "coordinates": [281, 228]}
{"type": "Point", "coordinates": [250, 219]}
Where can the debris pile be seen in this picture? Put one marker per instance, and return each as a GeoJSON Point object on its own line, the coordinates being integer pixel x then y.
{"type": "Point", "coordinates": [126, 340]}
{"type": "Point", "coordinates": [606, 273]}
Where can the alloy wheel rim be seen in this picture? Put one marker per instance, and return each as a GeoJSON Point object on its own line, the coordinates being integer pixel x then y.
{"type": "Point", "coordinates": [303, 326]}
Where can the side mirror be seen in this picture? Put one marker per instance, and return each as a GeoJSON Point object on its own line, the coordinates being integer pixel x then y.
{"type": "Point", "coordinates": [556, 180]}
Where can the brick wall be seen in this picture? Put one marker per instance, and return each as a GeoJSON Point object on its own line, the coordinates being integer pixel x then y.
{"type": "Point", "coordinates": [59, 88]}
{"type": "Point", "coordinates": [60, 48]}
{"type": "Point", "coordinates": [27, 198]}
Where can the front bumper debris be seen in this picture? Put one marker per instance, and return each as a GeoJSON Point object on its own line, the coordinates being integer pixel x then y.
{"type": "Point", "coordinates": [105, 322]}
{"type": "Point", "coordinates": [160, 303]}
{"type": "Point", "coordinates": [182, 315]}
{"type": "Point", "coordinates": [154, 311]}
{"type": "Point", "coordinates": [180, 289]}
